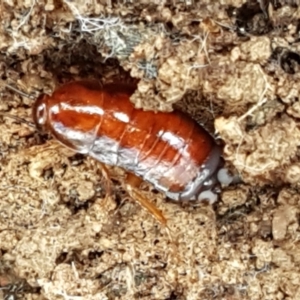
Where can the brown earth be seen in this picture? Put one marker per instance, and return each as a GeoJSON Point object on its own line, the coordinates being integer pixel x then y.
{"type": "Point", "coordinates": [234, 66]}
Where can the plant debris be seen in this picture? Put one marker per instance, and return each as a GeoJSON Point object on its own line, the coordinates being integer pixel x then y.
{"type": "Point", "coordinates": [234, 67]}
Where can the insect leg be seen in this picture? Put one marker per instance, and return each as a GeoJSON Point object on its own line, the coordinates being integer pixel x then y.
{"type": "Point", "coordinates": [132, 183]}
{"type": "Point", "coordinates": [108, 184]}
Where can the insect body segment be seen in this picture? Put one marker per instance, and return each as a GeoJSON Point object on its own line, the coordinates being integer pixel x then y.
{"type": "Point", "coordinates": [169, 150]}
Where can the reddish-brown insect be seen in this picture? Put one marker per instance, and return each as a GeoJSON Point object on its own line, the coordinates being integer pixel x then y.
{"type": "Point", "coordinates": [169, 150]}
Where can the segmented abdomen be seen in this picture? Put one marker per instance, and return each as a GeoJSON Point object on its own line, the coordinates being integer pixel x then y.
{"type": "Point", "coordinates": [170, 150]}
{"type": "Point", "coordinates": [166, 149]}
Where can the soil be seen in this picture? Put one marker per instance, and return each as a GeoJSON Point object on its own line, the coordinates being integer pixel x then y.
{"type": "Point", "coordinates": [234, 67]}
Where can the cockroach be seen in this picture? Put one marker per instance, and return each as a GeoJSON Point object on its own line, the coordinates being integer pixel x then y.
{"type": "Point", "coordinates": [170, 150]}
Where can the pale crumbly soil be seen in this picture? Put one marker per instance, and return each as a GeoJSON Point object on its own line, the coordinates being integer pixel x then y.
{"type": "Point", "coordinates": [63, 236]}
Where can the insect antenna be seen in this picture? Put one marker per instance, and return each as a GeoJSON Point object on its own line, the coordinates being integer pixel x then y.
{"type": "Point", "coordinates": [19, 119]}
{"type": "Point", "coordinates": [19, 92]}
